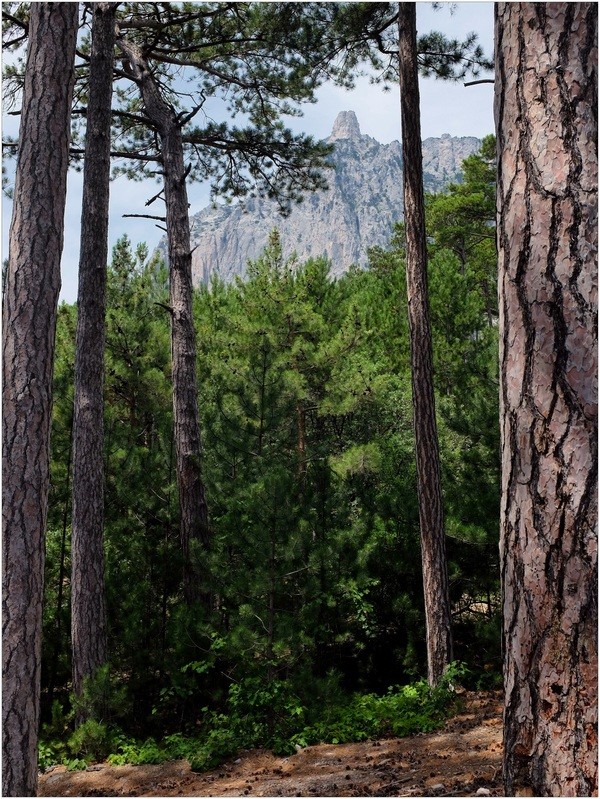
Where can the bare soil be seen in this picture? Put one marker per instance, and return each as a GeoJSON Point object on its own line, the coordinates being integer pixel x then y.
{"type": "Point", "coordinates": [462, 759]}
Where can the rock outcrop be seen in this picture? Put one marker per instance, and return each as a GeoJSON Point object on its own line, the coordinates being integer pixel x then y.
{"type": "Point", "coordinates": [358, 210]}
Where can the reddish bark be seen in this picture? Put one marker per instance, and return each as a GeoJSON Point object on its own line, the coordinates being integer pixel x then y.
{"type": "Point", "coordinates": [88, 605]}
{"type": "Point", "coordinates": [546, 94]}
{"type": "Point", "coordinates": [29, 324]}
{"type": "Point", "coordinates": [429, 484]}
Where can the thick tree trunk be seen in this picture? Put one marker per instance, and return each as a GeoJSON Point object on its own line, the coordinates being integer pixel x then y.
{"type": "Point", "coordinates": [429, 486]}
{"type": "Point", "coordinates": [194, 524]}
{"type": "Point", "coordinates": [29, 323]}
{"type": "Point", "coordinates": [88, 604]}
{"type": "Point", "coordinates": [546, 94]}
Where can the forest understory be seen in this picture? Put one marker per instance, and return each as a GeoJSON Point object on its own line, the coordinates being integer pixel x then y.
{"type": "Point", "coordinates": [463, 758]}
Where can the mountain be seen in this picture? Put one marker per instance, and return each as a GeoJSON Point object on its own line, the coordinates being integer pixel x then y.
{"type": "Point", "coordinates": [358, 210]}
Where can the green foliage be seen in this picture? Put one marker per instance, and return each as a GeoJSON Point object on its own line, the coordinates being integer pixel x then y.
{"type": "Point", "coordinates": [147, 752]}
{"type": "Point", "coordinates": [367, 33]}
{"type": "Point", "coordinates": [102, 699]}
{"type": "Point", "coordinates": [56, 752]}
{"type": "Point", "coordinates": [273, 716]}
{"type": "Point", "coordinates": [460, 226]}
{"type": "Point", "coordinates": [263, 714]}
{"type": "Point", "coordinates": [52, 747]}
{"type": "Point", "coordinates": [142, 548]}
{"type": "Point", "coordinates": [402, 711]}
{"type": "Point", "coordinates": [252, 61]}
{"type": "Point", "coordinates": [101, 703]}
{"type": "Point", "coordinates": [314, 565]}
{"type": "Point", "coordinates": [91, 740]}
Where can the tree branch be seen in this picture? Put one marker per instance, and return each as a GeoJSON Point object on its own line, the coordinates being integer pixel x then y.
{"type": "Point", "coordinates": [145, 216]}
{"type": "Point", "coordinates": [152, 199]}
{"type": "Point", "coordinates": [114, 154]}
{"type": "Point", "coordinates": [161, 25]}
{"type": "Point", "coordinates": [164, 305]}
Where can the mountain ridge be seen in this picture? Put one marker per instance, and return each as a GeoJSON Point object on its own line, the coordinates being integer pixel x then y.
{"type": "Point", "coordinates": [358, 210]}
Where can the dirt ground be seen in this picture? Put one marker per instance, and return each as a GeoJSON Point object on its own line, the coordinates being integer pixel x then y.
{"type": "Point", "coordinates": [462, 759]}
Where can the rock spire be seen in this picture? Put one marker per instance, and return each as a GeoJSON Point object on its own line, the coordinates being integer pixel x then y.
{"type": "Point", "coordinates": [345, 126]}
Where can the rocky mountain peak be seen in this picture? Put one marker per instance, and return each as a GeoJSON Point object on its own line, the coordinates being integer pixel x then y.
{"type": "Point", "coordinates": [345, 127]}
{"type": "Point", "coordinates": [358, 211]}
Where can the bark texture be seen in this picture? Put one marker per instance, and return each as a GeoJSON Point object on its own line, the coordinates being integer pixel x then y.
{"type": "Point", "coordinates": [88, 604]}
{"type": "Point", "coordinates": [194, 524]}
{"type": "Point", "coordinates": [429, 485]}
{"type": "Point", "coordinates": [29, 323]}
{"type": "Point", "coordinates": [546, 118]}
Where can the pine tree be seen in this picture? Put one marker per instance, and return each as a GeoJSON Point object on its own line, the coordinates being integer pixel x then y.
{"type": "Point", "coordinates": [546, 96]}
{"type": "Point", "coordinates": [435, 573]}
{"type": "Point", "coordinates": [29, 322]}
{"type": "Point", "coordinates": [368, 32]}
{"type": "Point", "coordinates": [193, 507]}
{"type": "Point", "coordinates": [88, 602]}
{"type": "Point", "coordinates": [141, 519]}
{"type": "Point", "coordinates": [56, 668]}
{"type": "Point", "coordinates": [268, 333]}
{"type": "Point", "coordinates": [284, 165]}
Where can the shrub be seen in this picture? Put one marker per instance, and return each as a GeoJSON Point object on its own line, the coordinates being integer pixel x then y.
{"type": "Point", "coordinates": [220, 744]}
{"type": "Point", "coordinates": [261, 714]}
{"type": "Point", "coordinates": [101, 698]}
{"type": "Point", "coordinates": [91, 740]}
{"type": "Point", "coordinates": [147, 752]}
{"type": "Point", "coordinates": [402, 711]}
{"type": "Point", "coordinates": [52, 748]}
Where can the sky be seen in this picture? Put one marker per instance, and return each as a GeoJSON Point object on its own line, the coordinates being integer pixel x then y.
{"type": "Point", "coordinates": [445, 108]}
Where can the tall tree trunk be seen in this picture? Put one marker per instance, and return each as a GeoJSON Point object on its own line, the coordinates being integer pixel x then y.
{"type": "Point", "coordinates": [546, 95]}
{"type": "Point", "coordinates": [431, 514]}
{"type": "Point", "coordinates": [29, 324]}
{"type": "Point", "coordinates": [88, 603]}
{"type": "Point", "coordinates": [194, 525]}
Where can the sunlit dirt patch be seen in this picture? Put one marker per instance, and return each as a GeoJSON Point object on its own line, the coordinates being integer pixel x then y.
{"type": "Point", "coordinates": [462, 759]}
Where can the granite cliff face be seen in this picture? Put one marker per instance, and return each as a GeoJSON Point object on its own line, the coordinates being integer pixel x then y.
{"type": "Point", "coordinates": [358, 211]}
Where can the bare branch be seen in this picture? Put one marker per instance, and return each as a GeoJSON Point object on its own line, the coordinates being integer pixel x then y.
{"type": "Point", "coordinates": [16, 41]}
{"type": "Point", "coordinates": [15, 20]}
{"type": "Point", "coordinates": [156, 197]}
{"type": "Point", "coordinates": [145, 216]}
{"type": "Point", "coordinates": [184, 118]}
